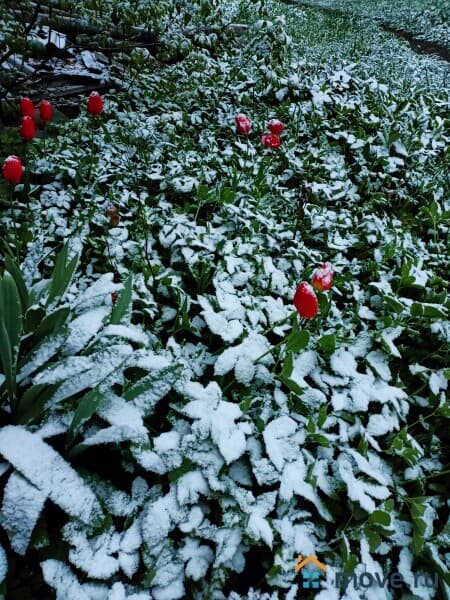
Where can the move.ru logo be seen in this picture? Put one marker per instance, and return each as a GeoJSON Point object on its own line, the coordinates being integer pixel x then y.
{"type": "Point", "coordinates": [311, 575]}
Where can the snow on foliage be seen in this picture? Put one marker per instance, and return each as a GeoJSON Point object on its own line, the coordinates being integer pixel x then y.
{"type": "Point", "coordinates": [49, 473]}
{"type": "Point", "coordinates": [197, 434]}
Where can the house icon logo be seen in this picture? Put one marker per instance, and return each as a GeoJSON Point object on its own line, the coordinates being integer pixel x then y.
{"type": "Point", "coordinates": [310, 575]}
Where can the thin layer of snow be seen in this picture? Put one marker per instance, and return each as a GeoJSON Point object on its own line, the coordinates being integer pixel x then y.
{"type": "Point", "coordinates": [49, 472]}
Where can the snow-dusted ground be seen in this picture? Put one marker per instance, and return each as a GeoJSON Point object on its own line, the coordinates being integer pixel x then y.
{"type": "Point", "coordinates": [189, 461]}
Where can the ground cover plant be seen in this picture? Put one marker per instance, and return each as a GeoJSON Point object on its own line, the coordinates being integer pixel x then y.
{"type": "Point", "coordinates": [173, 425]}
{"type": "Point", "coordinates": [427, 19]}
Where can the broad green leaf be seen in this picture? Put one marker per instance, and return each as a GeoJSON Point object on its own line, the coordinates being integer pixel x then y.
{"type": "Point", "coordinates": [6, 360]}
{"type": "Point", "coordinates": [35, 315]}
{"type": "Point", "coordinates": [84, 411]}
{"type": "Point", "coordinates": [297, 341]}
{"type": "Point", "coordinates": [52, 323]}
{"type": "Point", "coordinates": [39, 356]}
{"type": "Point", "coordinates": [62, 274]}
{"type": "Point", "coordinates": [438, 312]}
{"type": "Point", "coordinates": [11, 312]}
{"type": "Point", "coordinates": [123, 304]}
{"type": "Point", "coordinates": [417, 542]}
{"type": "Point", "coordinates": [379, 517]}
{"type": "Point", "coordinates": [146, 392]}
{"type": "Point", "coordinates": [31, 404]}
{"type": "Point", "coordinates": [319, 439]}
{"type": "Point", "coordinates": [350, 564]}
{"type": "Point", "coordinates": [186, 466]}
{"type": "Point", "coordinates": [288, 365]}
{"type": "Point", "coordinates": [291, 385]}
{"type": "Point", "coordinates": [444, 410]}
{"type": "Point", "coordinates": [38, 462]}
{"type": "Point", "coordinates": [394, 304]}
{"type": "Point", "coordinates": [323, 415]}
{"type": "Point", "coordinates": [20, 283]}
{"type": "Point", "coordinates": [20, 497]}
{"type": "Point", "coordinates": [373, 538]}
{"type": "Point", "coordinates": [327, 344]}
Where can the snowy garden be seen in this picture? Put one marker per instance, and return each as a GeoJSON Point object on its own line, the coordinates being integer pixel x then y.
{"type": "Point", "coordinates": [224, 309]}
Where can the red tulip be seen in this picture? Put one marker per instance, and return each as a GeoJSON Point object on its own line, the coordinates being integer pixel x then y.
{"type": "Point", "coordinates": [28, 128]}
{"type": "Point", "coordinates": [26, 107]}
{"type": "Point", "coordinates": [12, 169]}
{"type": "Point", "coordinates": [275, 126]}
{"type": "Point", "coordinates": [95, 104]}
{"type": "Point", "coordinates": [305, 301]}
{"type": "Point", "coordinates": [45, 110]}
{"type": "Point", "coordinates": [243, 124]}
{"type": "Point", "coordinates": [271, 140]}
{"type": "Point", "coordinates": [323, 278]}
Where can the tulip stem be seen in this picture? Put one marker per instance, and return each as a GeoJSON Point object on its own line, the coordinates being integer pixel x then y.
{"type": "Point", "coordinates": [16, 239]}
{"type": "Point", "coordinates": [270, 350]}
{"type": "Point", "coordinates": [281, 322]}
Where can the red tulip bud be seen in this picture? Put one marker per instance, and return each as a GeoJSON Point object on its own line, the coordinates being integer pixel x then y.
{"type": "Point", "coordinates": [27, 129]}
{"type": "Point", "coordinates": [305, 301]}
{"type": "Point", "coordinates": [271, 140]}
{"type": "Point", "coordinates": [95, 104]}
{"type": "Point", "coordinates": [323, 278]}
{"type": "Point", "coordinates": [114, 296]}
{"type": "Point", "coordinates": [12, 169]}
{"type": "Point", "coordinates": [275, 126]}
{"type": "Point", "coordinates": [26, 107]}
{"type": "Point", "coordinates": [45, 110]}
{"type": "Point", "coordinates": [243, 124]}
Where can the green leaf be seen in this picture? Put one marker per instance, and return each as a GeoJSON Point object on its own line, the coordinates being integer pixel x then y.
{"type": "Point", "coordinates": [32, 403]}
{"type": "Point", "coordinates": [227, 195]}
{"type": "Point", "coordinates": [394, 304]}
{"type": "Point", "coordinates": [327, 344]}
{"type": "Point", "coordinates": [350, 564]}
{"type": "Point", "coordinates": [52, 323]}
{"type": "Point", "coordinates": [84, 411]}
{"type": "Point", "coordinates": [444, 410]}
{"type": "Point", "coordinates": [344, 547]}
{"type": "Point", "coordinates": [428, 310]}
{"type": "Point", "coordinates": [389, 505]}
{"type": "Point", "coordinates": [416, 310]}
{"type": "Point", "coordinates": [11, 321]}
{"type": "Point", "coordinates": [6, 360]}
{"type": "Point", "coordinates": [288, 365]}
{"type": "Point", "coordinates": [417, 542]}
{"type": "Point", "coordinates": [34, 316]}
{"type": "Point", "coordinates": [123, 303]}
{"type": "Point", "coordinates": [379, 517]}
{"type": "Point", "coordinates": [11, 312]}
{"type": "Point", "coordinates": [323, 415]}
{"type": "Point", "coordinates": [433, 312]}
{"type": "Point", "coordinates": [186, 466]}
{"type": "Point", "coordinates": [319, 439]}
{"type": "Point", "coordinates": [62, 274]}
{"type": "Point", "coordinates": [274, 571]}
{"type": "Point", "coordinates": [297, 341]}
{"type": "Point", "coordinates": [373, 538]}
{"type": "Point", "coordinates": [20, 283]}
{"type": "Point", "coordinates": [291, 385]}
{"type": "Point", "coordinates": [363, 446]}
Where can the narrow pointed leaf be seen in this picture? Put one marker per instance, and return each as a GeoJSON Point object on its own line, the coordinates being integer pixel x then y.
{"type": "Point", "coordinates": [123, 305]}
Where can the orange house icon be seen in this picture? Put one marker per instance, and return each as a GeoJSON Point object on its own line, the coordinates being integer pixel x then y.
{"type": "Point", "coordinates": [301, 562]}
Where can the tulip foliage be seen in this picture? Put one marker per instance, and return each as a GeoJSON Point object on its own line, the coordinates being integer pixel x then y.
{"type": "Point", "coordinates": [224, 311]}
